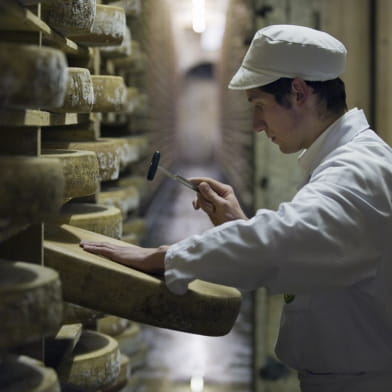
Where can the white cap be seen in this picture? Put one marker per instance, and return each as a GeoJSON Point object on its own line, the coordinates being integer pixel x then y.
{"type": "Point", "coordinates": [289, 51]}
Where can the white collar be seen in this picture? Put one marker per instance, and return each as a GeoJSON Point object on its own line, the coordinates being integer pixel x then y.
{"type": "Point", "coordinates": [338, 133]}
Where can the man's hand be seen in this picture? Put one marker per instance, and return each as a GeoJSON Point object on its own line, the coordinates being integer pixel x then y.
{"type": "Point", "coordinates": [150, 260]}
{"type": "Point", "coordinates": [217, 200]}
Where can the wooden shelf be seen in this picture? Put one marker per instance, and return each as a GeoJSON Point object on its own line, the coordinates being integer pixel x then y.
{"type": "Point", "coordinates": [36, 118]}
{"type": "Point", "coordinates": [16, 18]}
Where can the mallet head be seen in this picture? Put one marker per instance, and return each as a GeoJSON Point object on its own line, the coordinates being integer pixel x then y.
{"type": "Point", "coordinates": [153, 165]}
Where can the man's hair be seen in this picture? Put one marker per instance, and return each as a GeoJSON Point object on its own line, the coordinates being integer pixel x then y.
{"type": "Point", "coordinates": [332, 92]}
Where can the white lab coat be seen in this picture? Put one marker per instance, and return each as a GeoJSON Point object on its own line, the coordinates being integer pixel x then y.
{"type": "Point", "coordinates": [330, 246]}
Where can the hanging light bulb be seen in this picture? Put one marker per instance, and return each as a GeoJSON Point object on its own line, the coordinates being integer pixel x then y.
{"type": "Point", "coordinates": [198, 16]}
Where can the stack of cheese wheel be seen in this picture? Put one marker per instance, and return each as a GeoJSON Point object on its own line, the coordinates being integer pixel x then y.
{"type": "Point", "coordinates": [80, 170]}
{"type": "Point", "coordinates": [106, 220]}
{"type": "Point", "coordinates": [108, 28]}
{"type": "Point", "coordinates": [94, 365]}
{"type": "Point", "coordinates": [23, 374]}
{"type": "Point", "coordinates": [122, 50]}
{"type": "Point", "coordinates": [79, 95]}
{"type": "Point", "coordinates": [33, 77]}
{"type": "Point", "coordinates": [32, 188]}
{"type": "Point", "coordinates": [30, 302]}
{"type": "Point", "coordinates": [70, 17]}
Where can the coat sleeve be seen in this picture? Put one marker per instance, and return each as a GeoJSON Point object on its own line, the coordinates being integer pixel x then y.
{"type": "Point", "coordinates": [328, 236]}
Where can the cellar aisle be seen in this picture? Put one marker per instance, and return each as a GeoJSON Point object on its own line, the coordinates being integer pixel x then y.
{"type": "Point", "coordinates": [179, 361]}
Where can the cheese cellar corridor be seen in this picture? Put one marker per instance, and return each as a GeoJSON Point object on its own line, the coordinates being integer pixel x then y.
{"type": "Point", "coordinates": [89, 90]}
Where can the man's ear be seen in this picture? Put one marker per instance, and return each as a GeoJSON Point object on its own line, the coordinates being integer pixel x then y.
{"type": "Point", "coordinates": [300, 90]}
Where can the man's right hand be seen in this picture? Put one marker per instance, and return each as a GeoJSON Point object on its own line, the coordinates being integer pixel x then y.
{"type": "Point", "coordinates": [217, 200]}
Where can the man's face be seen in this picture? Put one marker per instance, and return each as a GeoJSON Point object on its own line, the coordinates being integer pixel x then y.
{"type": "Point", "coordinates": [281, 124]}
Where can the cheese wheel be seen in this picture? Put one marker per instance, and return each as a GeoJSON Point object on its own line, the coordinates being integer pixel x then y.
{"type": "Point", "coordinates": [32, 76]}
{"type": "Point", "coordinates": [130, 341]}
{"type": "Point", "coordinates": [110, 93]}
{"type": "Point", "coordinates": [134, 230]}
{"type": "Point", "coordinates": [80, 170]}
{"type": "Point", "coordinates": [30, 302]}
{"type": "Point", "coordinates": [32, 188]}
{"type": "Point", "coordinates": [122, 379]}
{"type": "Point", "coordinates": [122, 50]}
{"type": "Point", "coordinates": [79, 95]}
{"type": "Point", "coordinates": [206, 308]}
{"type": "Point", "coordinates": [73, 313]}
{"type": "Point", "coordinates": [106, 220]}
{"type": "Point", "coordinates": [70, 16]}
{"type": "Point", "coordinates": [126, 199]}
{"type": "Point", "coordinates": [95, 363]}
{"type": "Point", "coordinates": [112, 325]}
{"type": "Point", "coordinates": [24, 374]}
{"type": "Point", "coordinates": [131, 7]}
{"type": "Point", "coordinates": [106, 151]}
{"type": "Point", "coordinates": [108, 27]}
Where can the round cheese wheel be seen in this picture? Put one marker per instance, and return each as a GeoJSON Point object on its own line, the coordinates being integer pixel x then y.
{"type": "Point", "coordinates": [108, 27]}
{"type": "Point", "coordinates": [73, 314]}
{"type": "Point", "coordinates": [134, 230]}
{"type": "Point", "coordinates": [24, 374]}
{"type": "Point", "coordinates": [32, 188]}
{"type": "Point", "coordinates": [122, 379]}
{"type": "Point", "coordinates": [106, 220]}
{"type": "Point", "coordinates": [126, 199]}
{"type": "Point", "coordinates": [106, 150]}
{"type": "Point", "coordinates": [32, 76]}
{"type": "Point", "coordinates": [112, 325]}
{"type": "Point", "coordinates": [70, 16]}
{"type": "Point", "coordinates": [110, 93]}
{"type": "Point", "coordinates": [206, 308]}
{"type": "Point", "coordinates": [122, 50]}
{"type": "Point", "coordinates": [30, 302]}
{"type": "Point", "coordinates": [130, 341]}
{"type": "Point", "coordinates": [80, 170]}
{"type": "Point", "coordinates": [95, 363]}
{"type": "Point", "coordinates": [79, 95]}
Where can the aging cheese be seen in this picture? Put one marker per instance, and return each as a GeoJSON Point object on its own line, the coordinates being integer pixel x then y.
{"type": "Point", "coordinates": [106, 151]}
{"type": "Point", "coordinates": [122, 379]}
{"type": "Point", "coordinates": [106, 220]}
{"type": "Point", "coordinates": [24, 374]}
{"type": "Point", "coordinates": [108, 27]}
{"type": "Point", "coordinates": [112, 325]}
{"type": "Point", "coordinates": [70, 17]}
{"type": "Point", "coordinates": [126, 199]}
{"type": "Point", "coordinates": [80, 170]}
{"type": "Point", "coordinates": [31, 76]}
{"type": "Point", "coordinates": [95, 363]}
{"type": "Point", "coordinates": [122, 50]}
{"type": "Point", "coordinates": [110, 93]}
{"type": "Point", "coordinates": [32, 188]}
{"type": "Point", "coordinates": [131, 7]}
{"type": "Point", "coordinates": [79, 94]}
{"type": "Point", "coordinates": [30, 302]}
{"type": "Point", "coordinates": [206, 308]}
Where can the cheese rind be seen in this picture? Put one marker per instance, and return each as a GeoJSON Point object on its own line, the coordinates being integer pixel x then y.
{"type": "Point", "coordinates": [108, 27]}
{"type": "Point", "coordinates": [70, 16]}
{"type": "Point", "coordinates": [80, 170]}
{"type": "Point", "coordinates": [110, 93]}
{"type": "Point", "coordinates": [32, 77]}
{"type": "Point", "coordinates": [32, 188]}
{"type": "Point", "coordinates": [95, 363]}
{"type": "Point", "coordinates": [79, 95]}
{"type": "Point", "coordinates": [30, 302]}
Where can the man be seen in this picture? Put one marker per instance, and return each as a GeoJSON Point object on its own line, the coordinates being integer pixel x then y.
{"type": "Point", "coordinates": [330, 246]}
